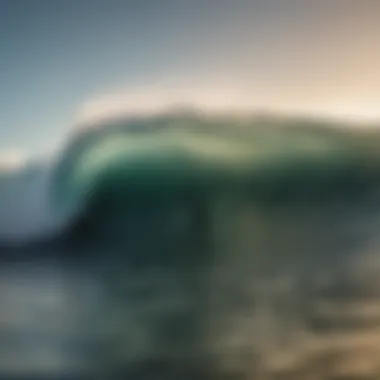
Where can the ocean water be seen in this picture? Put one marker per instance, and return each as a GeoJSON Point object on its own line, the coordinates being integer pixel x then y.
{"type": "Point", "coordinates": [183, 247]}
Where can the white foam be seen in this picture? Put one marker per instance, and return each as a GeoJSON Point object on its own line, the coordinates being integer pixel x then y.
{"type": "Point", "coordinates": [25, 209]}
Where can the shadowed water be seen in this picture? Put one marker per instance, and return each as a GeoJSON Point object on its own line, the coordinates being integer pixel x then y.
{"type": "Point", "coordinates": [290, 291]}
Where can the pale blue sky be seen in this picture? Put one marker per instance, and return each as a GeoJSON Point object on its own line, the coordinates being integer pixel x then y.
{"type": "Point", "coordinates": [57, 55]}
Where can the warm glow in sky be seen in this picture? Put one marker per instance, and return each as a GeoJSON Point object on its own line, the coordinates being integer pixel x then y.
{"type": "Point", "coordinates": [74, 60]}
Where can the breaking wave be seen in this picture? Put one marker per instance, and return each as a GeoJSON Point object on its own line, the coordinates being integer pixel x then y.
{"type": "Point", "coordinates": [162, 156]}
{"type": "Point", "coordinates": [215, 247]}
{"type": "Point", "coordinates": [180, 153]}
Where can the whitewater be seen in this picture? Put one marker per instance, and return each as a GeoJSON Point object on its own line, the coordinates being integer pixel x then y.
{"type": "Point", "coordinates": [188, 245]}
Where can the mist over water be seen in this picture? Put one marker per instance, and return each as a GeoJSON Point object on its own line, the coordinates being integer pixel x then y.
{"type": "Point", "coordinates": [182, 246]}
{"type": "Point", "coordinates": [26, 212]}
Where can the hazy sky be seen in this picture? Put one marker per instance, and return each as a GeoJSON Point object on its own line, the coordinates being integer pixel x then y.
{"type": "Point", "coordinates": [61, 60]}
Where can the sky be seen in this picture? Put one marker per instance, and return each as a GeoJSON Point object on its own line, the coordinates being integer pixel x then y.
{"type": "Point", "coordinates": [74, 60]}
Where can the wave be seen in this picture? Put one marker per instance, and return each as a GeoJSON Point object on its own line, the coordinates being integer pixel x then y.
{"type": "Point", "coordinates": [174, 156]}
{"type": "Point", "coordinates": [220, 238]}
{"type": "Point", "coordinates": [227, 243]}
{"type": "Point", "coordinates": [182, 155]}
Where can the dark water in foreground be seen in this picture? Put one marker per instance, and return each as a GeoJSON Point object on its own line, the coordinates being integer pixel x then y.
{"type": "Point", "coordinates": [239, 290]}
